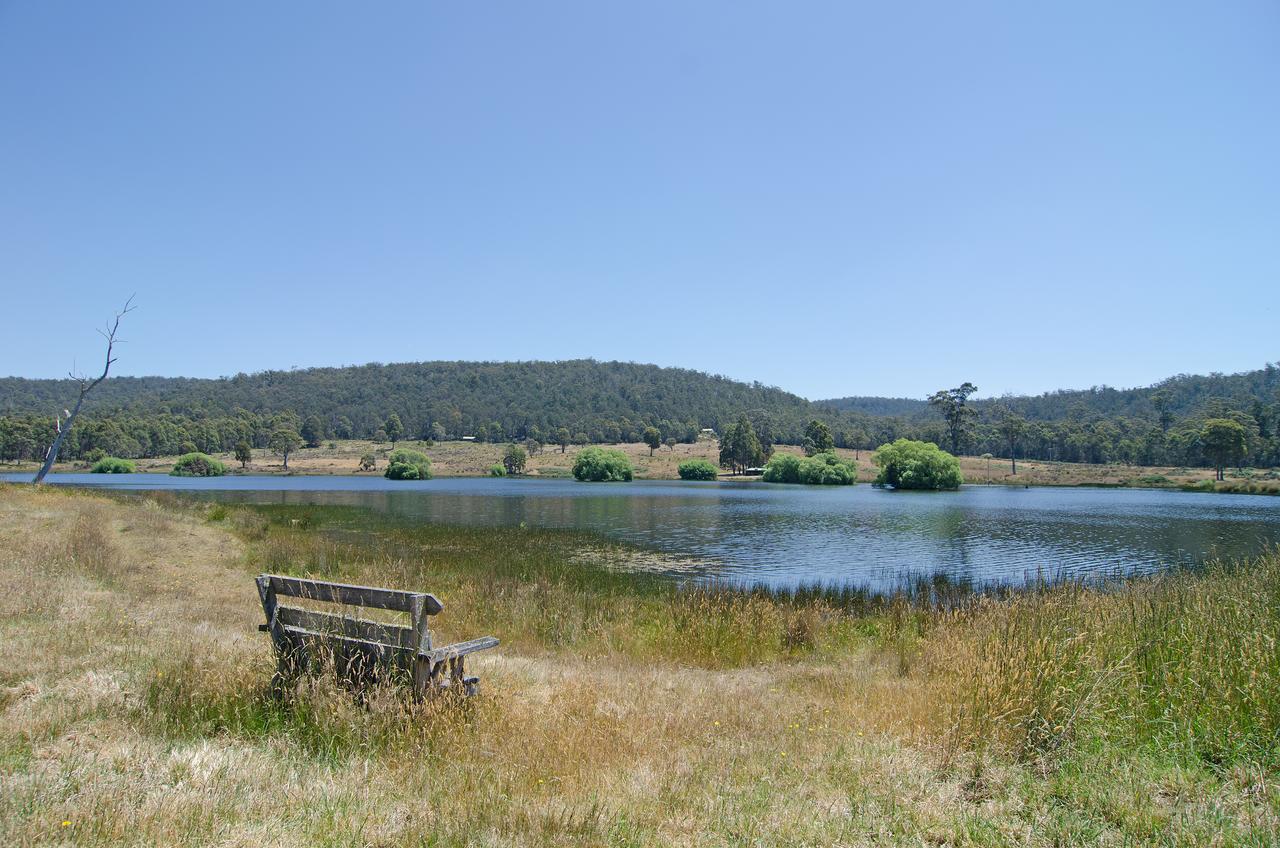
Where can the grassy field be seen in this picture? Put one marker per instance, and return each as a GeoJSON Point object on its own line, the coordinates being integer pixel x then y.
{"type": "Point", "coordinates": [620, 709]}
{"type": "Point", "coordinates": [455, 459]}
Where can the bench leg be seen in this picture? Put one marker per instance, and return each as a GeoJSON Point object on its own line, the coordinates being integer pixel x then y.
{"type": "Point", "coordinates": [429, 679]}
{"type": "Point", "coordinates": [423, 678]}
{"type": "Point", "coordinates": [468, 686]}
{"type": "Point", "coordinates": [455, 672]}
{"type": "Point", "coordinates": [426, 677]}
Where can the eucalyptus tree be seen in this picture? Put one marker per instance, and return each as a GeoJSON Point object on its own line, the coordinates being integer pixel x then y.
{"type": "Point", "coordinates": [1223, 442]}
{"type": "Point", "coordinates": [952, 403]}
{"type": "Point", "coordinates": [514, 459]}
{"type": "Point", "coordinates": [284, 441]}
{"type": "Point", "coordinates": [817, 438]}
{"type": "Point", "coordinates": [740, 447]}
{"type": "Point", "coordinates": [313, 431]}
{"type": "Point", "coordinates": [1162, 401]}
{"type": "Point", "coordinates": [393, 427]}
{"type": "Point", "coordinates": [857, 439]}
{"type": "Point", "coordinates": [1012, 427]}
{"type": "Point", "coordinates": [652, 438]}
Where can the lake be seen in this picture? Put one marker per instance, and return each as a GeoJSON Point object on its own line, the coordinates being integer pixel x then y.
{"type": "Point", "coordinates": [790, 535]}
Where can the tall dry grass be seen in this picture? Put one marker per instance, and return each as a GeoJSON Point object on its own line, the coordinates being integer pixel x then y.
{"type": "Point", "coordinates": [1186, 662]}
{"type": "Point", "coordinates": [137, 704]}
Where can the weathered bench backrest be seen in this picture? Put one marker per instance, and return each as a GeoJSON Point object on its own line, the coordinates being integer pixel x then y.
{"type": "Point", "coordinates": [296, 630]}
{"type": "Point", "coordinates": [305, 637]}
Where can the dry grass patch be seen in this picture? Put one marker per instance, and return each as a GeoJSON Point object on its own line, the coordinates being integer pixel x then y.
{"type": "Point", "coordinates": [136, 704]}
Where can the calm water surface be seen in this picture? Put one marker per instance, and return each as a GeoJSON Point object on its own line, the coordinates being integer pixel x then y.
{"type": "Point", "coordinates": [788, 535]}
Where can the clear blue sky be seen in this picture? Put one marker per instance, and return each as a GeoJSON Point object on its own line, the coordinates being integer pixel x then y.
{"type": "Point", "coordinates": [836, 198]}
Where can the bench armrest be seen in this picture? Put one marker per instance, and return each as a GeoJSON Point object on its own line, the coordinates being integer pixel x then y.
{"type": "Point", "coordinates": [460, 649]}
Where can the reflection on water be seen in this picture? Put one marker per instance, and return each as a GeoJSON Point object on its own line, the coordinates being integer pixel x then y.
{"type": "Point", "coordinates": [789, 535]}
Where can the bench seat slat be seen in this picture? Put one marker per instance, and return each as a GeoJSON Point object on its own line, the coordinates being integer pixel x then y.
{"type": "Point", "coordinates": [360, 628]}
{"type": "Point", "coordinates": [343, 593]}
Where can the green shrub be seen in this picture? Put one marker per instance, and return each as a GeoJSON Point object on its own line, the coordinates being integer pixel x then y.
{"type": "Point", "coordinates": [782, 468]}
{"type": "Point", "coordinates": [514, 459]}
{"type": "Point", "coordinates": [908, 464]}
{"type": "Point", "coordinates": [197, 465]}
{"type": "Point", "coordinates": [697, 469]}
{"type": "Point", "coordinates": [113, 465]}
{"type": "Point", "coordinates": [602, 466]}
{"type": "Point", "coordinates": [821, 469]}
{"type": "Point", "coordinates": [497, 470]}
{"type": "Point", "coordinates": [827, 469]}
{"type": "Point", "coordinates": [405, 464]}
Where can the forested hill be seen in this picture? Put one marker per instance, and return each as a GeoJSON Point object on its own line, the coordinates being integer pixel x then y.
{"type": "Point", "coordinates": [1178, 397]}
{"type": "Point", "coordinates": [589, 401]}
{"type": "Point", "coordinates": [877, 406]}
{"type": "Point", "coordinates": [464, 398]}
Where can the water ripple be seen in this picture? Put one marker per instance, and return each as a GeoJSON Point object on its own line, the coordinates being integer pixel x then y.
{"type": "Point", "coordinates": [790, 535]}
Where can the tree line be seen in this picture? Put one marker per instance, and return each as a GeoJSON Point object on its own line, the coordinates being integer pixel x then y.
{"type": "Point", "coordinates": [587, 402]}
{"type": "Point", "coordinates": [1217, 432]}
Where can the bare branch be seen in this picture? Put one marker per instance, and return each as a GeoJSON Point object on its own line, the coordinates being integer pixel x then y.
{"type": "Point", "coordinates": [86, 386]}
{"type": "Point", "coordinates": [110, 335]}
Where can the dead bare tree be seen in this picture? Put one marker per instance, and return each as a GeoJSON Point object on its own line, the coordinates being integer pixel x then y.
{"type": "Point", "coordinates": [63, 426]}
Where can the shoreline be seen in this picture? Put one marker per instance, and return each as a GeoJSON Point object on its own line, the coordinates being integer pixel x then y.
{"type": "Point", "coordinates": [473, 459]}
{"type": "Point", "coordinates": [724, 478]}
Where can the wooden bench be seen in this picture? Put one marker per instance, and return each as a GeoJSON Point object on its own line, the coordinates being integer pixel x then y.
{"type": "Point", "coordinates": [361, 648]}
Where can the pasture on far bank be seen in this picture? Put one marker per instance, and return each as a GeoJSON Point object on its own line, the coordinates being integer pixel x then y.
{"type": "Point", "coordinates": [474, 459]}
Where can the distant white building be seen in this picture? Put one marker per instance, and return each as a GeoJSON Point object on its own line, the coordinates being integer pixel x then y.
{"type": "Point", "coordinates": [707, 433]}
{"type": "Point", "coordinates": [468, 438]}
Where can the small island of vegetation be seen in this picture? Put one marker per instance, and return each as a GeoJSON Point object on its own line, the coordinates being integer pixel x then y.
{"type": "Point", "coordinates": [113, 465]}
{"type": "Point", "coordinates": [405, 464]}
{"type": "Point", "coordinates": [821, 469]}
{"type": "Point", "coordinates": [197, 465]}
{"type": "Point", "coordinates": [908, 464]}
{"type": "Point", "coordinates": [697, 469]}
{"type": "Point", "coordinates": [597, 465]}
